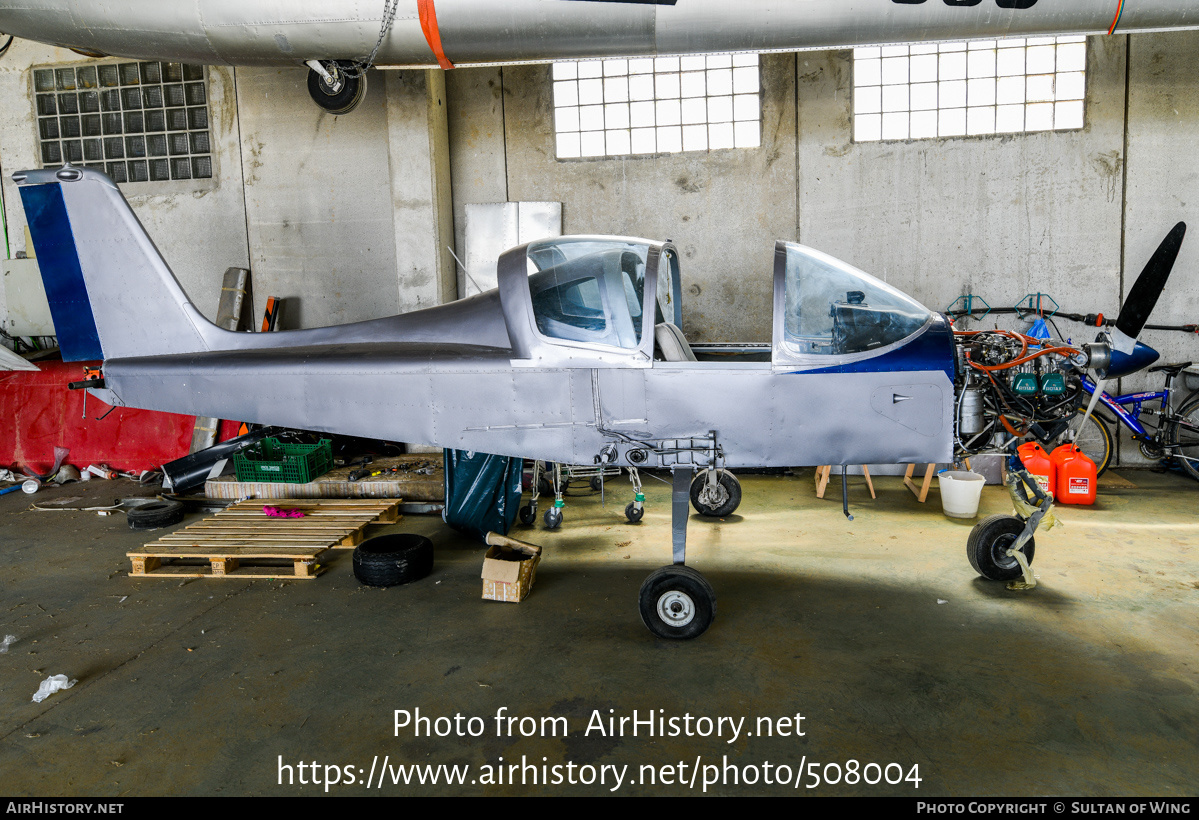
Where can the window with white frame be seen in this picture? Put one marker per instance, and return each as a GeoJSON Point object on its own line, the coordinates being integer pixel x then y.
{"type": "Point", "coordinates": [967, 88]}
{"type": "Point", "coordinates": [652, 105]}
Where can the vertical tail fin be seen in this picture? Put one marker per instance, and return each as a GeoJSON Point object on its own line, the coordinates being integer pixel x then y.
{"type": "Point", "coordinates": [111, 294]}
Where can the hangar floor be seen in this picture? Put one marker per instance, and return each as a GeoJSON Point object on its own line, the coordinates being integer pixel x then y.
{"type": "Point", "coordinates": [876, 631]}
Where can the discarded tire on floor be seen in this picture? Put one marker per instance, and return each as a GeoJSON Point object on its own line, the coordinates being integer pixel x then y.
{"type": "Point", "coordinates": [390, 560]}
{"type": "Point", "coordinates": [155, 514]}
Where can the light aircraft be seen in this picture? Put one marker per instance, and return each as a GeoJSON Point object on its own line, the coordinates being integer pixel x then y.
{"type": "Point", "coordinates": [338, 39]}
{"type": "Point", "coordinates": [557, 363]}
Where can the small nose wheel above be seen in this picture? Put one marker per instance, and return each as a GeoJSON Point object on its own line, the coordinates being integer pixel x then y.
{"type": "Point", "coordinates": [677, 602]}
{"type": "Point", "coordinates": [335, 86]}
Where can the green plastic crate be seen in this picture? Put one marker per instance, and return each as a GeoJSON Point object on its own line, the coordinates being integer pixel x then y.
{"type": "Point", "coordinates": [274, 461]}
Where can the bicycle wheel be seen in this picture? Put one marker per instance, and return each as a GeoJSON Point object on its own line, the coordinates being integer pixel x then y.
{"type": "Point", "coordinates": [1184, 436]}
{"type": "Point", "coordinates": [1095, 441]}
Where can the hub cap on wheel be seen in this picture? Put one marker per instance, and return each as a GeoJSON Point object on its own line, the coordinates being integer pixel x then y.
{"type": "Point", "coordinates": [713, 496]}
{"type": "Point", "coordinates": [676, 608]}
{"type": "Point", "coordinates": [999, 552]}
{"type": "Point", "coordinates": [333, 87]}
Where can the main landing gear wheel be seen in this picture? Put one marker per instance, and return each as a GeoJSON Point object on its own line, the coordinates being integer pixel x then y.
{"type": "Point", "coordinates": [719, 500]}
{"type": "Point", "coordinates": [988, 544]}
{"type": "Point", "coordinates": [340, 92]}
{"type": "Point", "coordinates": [677, 602]}
{"type": "Point", "coordinates": [528, 514]}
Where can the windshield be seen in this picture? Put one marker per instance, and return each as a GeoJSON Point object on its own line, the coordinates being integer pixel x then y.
{"type": "Point", "coordinates": [833, 308]}
{"type": "Point", "coordinates": [588, 290]}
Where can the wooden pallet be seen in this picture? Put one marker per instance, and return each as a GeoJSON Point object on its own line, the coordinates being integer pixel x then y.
{"type": "Point", "coordinates": [244, 533]}
{"type": "Point", "coordinates": [336, 483]}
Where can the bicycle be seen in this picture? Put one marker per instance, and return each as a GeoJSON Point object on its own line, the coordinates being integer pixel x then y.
{"type": "Point", "coordinates": [1176, 434]}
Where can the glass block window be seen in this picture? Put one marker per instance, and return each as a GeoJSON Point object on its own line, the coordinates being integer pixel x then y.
{"type": "Point", "coordinates": [962, 89]}
{"type": "Point", "coordinates": [656, 105]}
{"type": "Point", "coordinates": [136, 122]}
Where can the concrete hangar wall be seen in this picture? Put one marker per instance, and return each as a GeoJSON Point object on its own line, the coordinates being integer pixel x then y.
{"type": "Point", "coordinates": [349, 217]}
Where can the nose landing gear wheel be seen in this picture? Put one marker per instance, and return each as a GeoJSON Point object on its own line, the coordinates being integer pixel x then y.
{"type": "Point", "coordinates": [553, 518]}
{"type": "Point", "coordinates": [633, 513]}
{"type": "Point", "coordinates": [340, 93]}
{"type": "Point", "coordinates": [988, 544]}
{"type": "Point", "coordinates": [677, 602]}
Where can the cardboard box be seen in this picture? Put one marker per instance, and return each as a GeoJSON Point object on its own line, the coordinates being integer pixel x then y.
{"type": "Point", "coordinates": [509, 568]}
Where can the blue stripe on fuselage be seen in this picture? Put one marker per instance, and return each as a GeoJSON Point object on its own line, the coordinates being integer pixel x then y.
{"type": "Point", "coordinates": [58, 260]}
{"type": "Point", "coordinates": [931, 350]}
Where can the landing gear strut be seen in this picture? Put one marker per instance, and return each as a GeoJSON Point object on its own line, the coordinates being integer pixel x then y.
{"type": "Point", "coordinates": [676, 601]}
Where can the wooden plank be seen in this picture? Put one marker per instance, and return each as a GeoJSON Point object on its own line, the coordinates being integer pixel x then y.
{"type": "Point", "coordinates": [349, 539]}
{"type": "Point", "coordinates": [242, 573]}
{"type": "Point", "coordinates": [208, 551]}
{"type": "Point", "coordinates": [920, 492]}
{"type": "Point", "coordinates": [822, 474]}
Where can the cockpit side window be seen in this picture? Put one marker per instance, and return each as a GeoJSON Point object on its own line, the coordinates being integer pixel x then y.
{"type": "Point", "coordinates": [589, 291]}
{"type": "Point", "coordinates": [832, 308]}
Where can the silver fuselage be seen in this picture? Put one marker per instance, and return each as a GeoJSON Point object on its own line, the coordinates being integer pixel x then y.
{"type": "Point", "coordinates": [254, 32]}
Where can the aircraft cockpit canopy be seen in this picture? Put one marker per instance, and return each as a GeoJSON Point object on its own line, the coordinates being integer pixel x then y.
{"type": "Point", "coordinates": [832, 311]}
{"type": "Point", "coordinates": [589, 291]}
{"type": "Point", "coordinates": [590, 299]}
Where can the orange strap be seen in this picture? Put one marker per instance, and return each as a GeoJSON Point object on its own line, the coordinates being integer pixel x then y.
{"type": "Point", "coordinates": [428, 24]}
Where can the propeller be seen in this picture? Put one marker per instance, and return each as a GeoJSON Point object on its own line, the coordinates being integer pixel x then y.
{"type": "Point", "coordinates": [1144, 293]}
{"type": "Point", "coordinates": [1134, 313]}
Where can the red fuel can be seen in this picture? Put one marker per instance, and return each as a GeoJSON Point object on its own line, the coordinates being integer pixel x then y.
{"type": "Point", "coordinates": [1039, 465]}
{"type": "Point", "coordinates": [1076, 475]}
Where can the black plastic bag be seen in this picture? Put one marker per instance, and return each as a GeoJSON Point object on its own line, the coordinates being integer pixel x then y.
{"type": "Point", "coordinates": [482, 492]}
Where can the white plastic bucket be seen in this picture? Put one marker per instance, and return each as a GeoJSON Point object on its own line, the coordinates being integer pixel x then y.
{"type": "Point", "coordinates": [960, 492]}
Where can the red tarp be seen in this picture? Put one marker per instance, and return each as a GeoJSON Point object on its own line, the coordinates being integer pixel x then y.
{"type": "Point", "coordinates": [38, 413]}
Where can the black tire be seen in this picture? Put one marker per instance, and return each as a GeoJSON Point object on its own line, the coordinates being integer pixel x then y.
{"type": "Point", "coordinates": [989, 541]}
{"type": "Point", "coordinates": [553, 518]}
{"type": "Point", "coordinates": [1095, 441]}
{"type": "Point", "coordinates": [527, 514]}
{"type": "Point", "coordinates": [597, 483]}
{"type": "Point", "coordinates": [729, 489]}
{"type": "Point", "coordinates": [343, 96]}
{"type": "Point", "coordinates": [677, 602]}
{"type": "Point", "coordinates": [1184, 435]}
{"type": "Point", "coordinates": [634, 514]}
{"type": "Point", "coordinates": [156, 514]}
{"type": "Point", "coordinates": [389, 560]}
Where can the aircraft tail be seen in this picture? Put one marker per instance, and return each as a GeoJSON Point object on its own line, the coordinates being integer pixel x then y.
{"type": "Point", "coordinates": [111, 294]}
